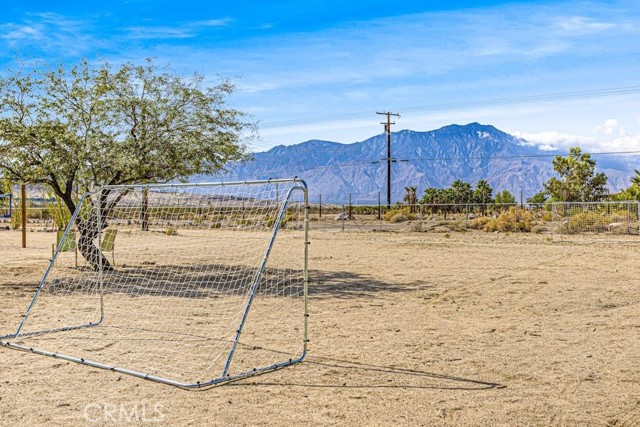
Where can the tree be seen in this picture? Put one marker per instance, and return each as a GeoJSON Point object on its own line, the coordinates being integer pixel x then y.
{"type": "Point", "coordinates": [431, 196]}
{"type": "Point", "coordinates": [578, 181]}
{"type": "Point", "coordinates": [5, 186]}
{"type": "Point", "coordinates": [633, 192]}
{"type": "Point", "coordinates": [504, 198]}
{"type": "Point", "coordinates": [483, 192]}
{"type": "Point", "coordinates": [84, 126]}
{"type": "Point", "coordinates": [438, 196]}
{"type": "Point", "coordinates": [538, 199]}
{"type": "Point", "coordinates": [635, 180]}
{"type": "Point", "coordinates": [461, 191]}
{"type": "Point", "coordinates": [410, 197]}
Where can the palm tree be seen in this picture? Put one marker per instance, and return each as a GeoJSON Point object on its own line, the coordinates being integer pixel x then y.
{"type": "Point", "coordinates": [635, 180]}
{"type": "Point", "coordinates": [411, 198]}
{"type": "Point", "coordinates": [483, 192]}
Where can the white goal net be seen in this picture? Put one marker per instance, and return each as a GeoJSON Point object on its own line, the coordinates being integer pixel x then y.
{"type": "Point", "coordinates": [191, 285]}
{"type": "Point", "coordinates": [595, 221]}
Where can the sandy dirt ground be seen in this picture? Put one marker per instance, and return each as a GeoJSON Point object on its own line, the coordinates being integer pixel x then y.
{"type": "Point", "coordinates": [419, 329]}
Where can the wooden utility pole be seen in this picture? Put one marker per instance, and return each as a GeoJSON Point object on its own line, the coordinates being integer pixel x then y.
{"type": "Point", "coordinates": [387, 128]}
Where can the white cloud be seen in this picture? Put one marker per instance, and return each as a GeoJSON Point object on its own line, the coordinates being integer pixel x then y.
{"type": "Point", "coordinates": [49, 32]}
{"type": "Point", "coordinates": [609, 136]}
{"type": "Point", "coordinates": [579, 25]}
{"type": "Point", "coordinates": [555, 140]}
{"type": "Point", "coordinates": [223, 22]}
{"type": "Point", "coordinates": [141, 33]}
{"type": "Point", "coordinates": [608, 127]}
{"type": "Point", "coordinates": [14, 33]}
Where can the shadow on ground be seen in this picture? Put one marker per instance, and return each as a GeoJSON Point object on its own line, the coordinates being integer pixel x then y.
{"type": "Point", "coordinates": [343, 284]}
{"type": "Point", "coordinates": [326, 372]}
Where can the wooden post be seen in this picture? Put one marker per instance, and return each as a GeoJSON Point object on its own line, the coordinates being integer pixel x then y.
{"type": "Point", "coordinates": [145, 206]}
{"type": "Point", "coordinates": [23, 208]}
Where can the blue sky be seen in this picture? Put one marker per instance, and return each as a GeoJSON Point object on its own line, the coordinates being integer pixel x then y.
{"type": "Point", "coordinates": [321, 69]}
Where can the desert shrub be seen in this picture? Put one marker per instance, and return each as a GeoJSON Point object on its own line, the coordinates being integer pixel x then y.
{"type": "Point", "coordinates": [171, 231]}
{"type": "Point", "coordinates": [512, 220]}
{"type": "Point", "coordinates": [16, 218]}
{"type": "Point", "coordinates": [547, 217]}
{"type": "Point", "coordinates": [398, 218]}
{"type": "Point", "coordinates": [538, 229]}
{"type": "Point", "coordinates": [388, 215]}
{"type": "Point", "coordinates": [479, 223]}
{"type": "Point", "coordinates": [270, 221]}
{"type": "Point", "coordinates": [56, 209]}
{"type": "Point", "coordinates": [585, 221]}
{"type": "Point", "coordinates": [416, 226]}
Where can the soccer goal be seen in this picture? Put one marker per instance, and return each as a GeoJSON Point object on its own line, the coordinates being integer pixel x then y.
{"type": "Point", "coordinates": [191, 285]}
{"type": "Point", "coordinates": [595, 221]}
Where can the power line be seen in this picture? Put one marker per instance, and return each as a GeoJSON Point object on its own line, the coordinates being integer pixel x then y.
{"type": "Point", "coordinates": [548, 97]}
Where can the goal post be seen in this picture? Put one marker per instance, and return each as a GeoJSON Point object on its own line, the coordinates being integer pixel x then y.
{"type": "Point", "coordinates": [596, 221]}
{"type": "Point", "coordinates": [191, 285]}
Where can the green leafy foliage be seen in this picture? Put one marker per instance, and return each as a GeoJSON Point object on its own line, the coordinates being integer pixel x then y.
{"type": "Point", "coordinates": [504, 198]}
{"type": "Point", "coordinates": [91, 125]}
{"type": "Point", "coordinates": [16, 218]}
{"type": "Point", "coordinates": [483, 192]}
{"type": "Point", "coordinates": [538, 199]}
{"type": "Point", "coordinates": [633, 192]}
{"type": "Point", "coordinates": [58, 212]}
{"type": "Point", "coordinates": [460, 192]}
{"type": "Point", "coordinates": [577, 181]}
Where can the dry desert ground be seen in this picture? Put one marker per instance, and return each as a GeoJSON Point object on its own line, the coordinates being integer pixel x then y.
{"type": "Point", "coordinates": [406, 328]}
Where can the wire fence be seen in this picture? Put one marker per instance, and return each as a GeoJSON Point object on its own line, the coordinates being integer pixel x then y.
{"type": "Point", "coordinates": [510, 217]}
{"type": "Point", "coordinates": [563, 221]}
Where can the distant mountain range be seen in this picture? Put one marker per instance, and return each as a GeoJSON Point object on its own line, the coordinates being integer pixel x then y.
{"type": "Point", "coordinates": [423, 159]}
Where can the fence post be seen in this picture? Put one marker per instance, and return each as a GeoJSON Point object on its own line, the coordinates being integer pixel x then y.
{"type": "Point", "coordinates": [350, 208]}
{"type": "Point", "coordinates": [320, 214]}
{"type": "Point", "coordinates": [342, 217]}
{"type": "Point", "coordinates": [379, 208]}
{"type": "Point", "coordinates": [23, 209]}
{"type": "Point", "coordinates": [466, 216]}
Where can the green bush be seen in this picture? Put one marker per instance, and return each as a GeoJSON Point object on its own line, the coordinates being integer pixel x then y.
{"type": "Point", "coordinates": [56, 209]}
{"type": "Point", "coordinates": [16, 217]}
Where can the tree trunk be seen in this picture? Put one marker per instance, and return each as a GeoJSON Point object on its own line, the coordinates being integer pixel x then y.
{"type": "Point", "coordinates": [88, 230]}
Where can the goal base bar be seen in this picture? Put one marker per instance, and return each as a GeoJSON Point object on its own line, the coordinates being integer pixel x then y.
{"type": "Point", "coordinates": [187, 386]}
